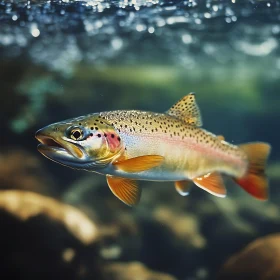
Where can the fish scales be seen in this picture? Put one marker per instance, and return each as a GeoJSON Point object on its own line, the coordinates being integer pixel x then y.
{"type": "Point", "coordinates": [138, 128]}
{"type": "Point", "coordinates": [127, 146]}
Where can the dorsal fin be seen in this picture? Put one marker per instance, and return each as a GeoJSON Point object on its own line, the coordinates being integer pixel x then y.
{"type": "Point", "coordinates": [187, 110]}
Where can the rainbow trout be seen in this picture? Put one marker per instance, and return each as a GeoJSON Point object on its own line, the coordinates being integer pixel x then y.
{"type": "Point", "coordinates": [127, 146]}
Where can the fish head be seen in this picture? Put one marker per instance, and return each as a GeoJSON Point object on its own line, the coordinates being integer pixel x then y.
{"type": "Point", "coordinates": [88, 142]}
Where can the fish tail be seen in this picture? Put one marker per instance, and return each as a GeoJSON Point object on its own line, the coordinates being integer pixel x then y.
{"type": "Point", "coordinates": [255, 181]}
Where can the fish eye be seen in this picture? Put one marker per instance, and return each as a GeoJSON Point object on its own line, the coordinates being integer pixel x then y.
{"type": "Point", "coordinates": [76, 134]}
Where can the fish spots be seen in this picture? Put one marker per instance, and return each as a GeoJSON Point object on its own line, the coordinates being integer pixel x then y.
{"type": "Point", "coordinates": [98, 135]}
{"type": "Point", "coordinates": [146, 122]}
{"type": "Point", "coordinates": [165, 126]}
{"type": "Point", "coordinates": [187, 110]}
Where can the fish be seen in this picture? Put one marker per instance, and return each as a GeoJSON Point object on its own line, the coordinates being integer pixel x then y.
{"type": "Point", "coordinates": [131, 145]}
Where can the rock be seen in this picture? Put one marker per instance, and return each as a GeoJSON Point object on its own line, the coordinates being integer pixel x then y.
{"type": "Point", "coordinates": [184, 226]}
{"type": "Point", "coordinates": [133, 271]}
{"type": "Point", "coordinates": [258, 261]}
{"type": "Point", "coordinates": [42, 238]}
{"type": "Point", "coordinates": [20, 169]}
{"type": "Point", "coordinates": [25, 205]}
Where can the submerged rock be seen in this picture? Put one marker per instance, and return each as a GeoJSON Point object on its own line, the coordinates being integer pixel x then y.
{"type": "Point", "coordinates": [45, 239]}
{"type": "Point", "coordinates": [20, 169]}
{"type": "Point", "coordinates": [258, 261]}
{"type": "Point", "coordinates": [133, 270]}
{"type": "Point", "coordinates": [26, 205]}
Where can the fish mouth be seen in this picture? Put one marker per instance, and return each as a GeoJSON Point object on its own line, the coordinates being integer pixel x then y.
{"type": "Point", "coordinates": [46, 141]}
{"type": "Point", "coordinates": [56, 151]}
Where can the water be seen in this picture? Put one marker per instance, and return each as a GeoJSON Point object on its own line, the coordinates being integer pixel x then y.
{"type": "Point", "coordinates": [61, 59]}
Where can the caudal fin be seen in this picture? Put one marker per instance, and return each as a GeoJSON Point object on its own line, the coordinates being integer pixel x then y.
{"type": "Point", "coordinates": [255, 181]}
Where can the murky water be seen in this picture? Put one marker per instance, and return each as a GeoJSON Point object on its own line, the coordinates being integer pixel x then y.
{"type": "Point", "coordinates": [61, 59]}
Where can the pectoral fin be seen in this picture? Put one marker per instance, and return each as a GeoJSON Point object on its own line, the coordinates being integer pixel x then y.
{"type": "Point", "coordinates": [139, 164]}
{"type": "Point", "coordinates": [183, 187]}
{"type": "Point", "coordinates": [212, 183]}
{"type": "Point", "coordinates": [124, 189]}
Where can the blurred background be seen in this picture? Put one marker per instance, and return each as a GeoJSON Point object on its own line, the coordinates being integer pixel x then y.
{"type": "Point", "coordinates": [62, 59]}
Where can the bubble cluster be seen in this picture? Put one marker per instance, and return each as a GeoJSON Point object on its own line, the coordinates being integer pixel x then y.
{"type": "Point", "coordinates": [60, 34]}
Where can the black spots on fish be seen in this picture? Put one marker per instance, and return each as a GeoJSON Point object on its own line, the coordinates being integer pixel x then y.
{"type": "Point", "coordinates": [91, 128]}
{"type": "Point", "coordinates": [105, 135]}
{"type": "Point", "coordinates": [98, 135]}
{"type": "Point", "coordinates": [119, 139]}
{"type": "Point", "coordinates": [91, 134]}
{"type": "Point", "coordinates": [96, 128]}
{"type": "Point", "coordinates": [101, 117]}
{"type": "Point", "coordinates": [80, 123]}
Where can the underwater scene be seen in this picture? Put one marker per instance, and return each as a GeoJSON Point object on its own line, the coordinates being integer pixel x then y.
{"type": "Point", "coordinates": [188, 92]}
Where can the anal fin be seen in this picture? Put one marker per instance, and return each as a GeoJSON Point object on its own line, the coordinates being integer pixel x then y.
{"type": "Point", "coordinates": [124, 189]}
{"type": "Point", "coordinates": [212, 183]}
{"type": "Point", "coordinates": [139, 164]}
{"type": "Point", "coordinates": [183, 187]}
